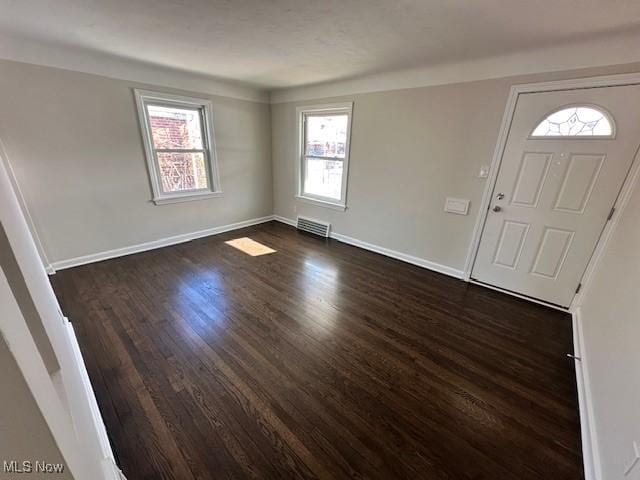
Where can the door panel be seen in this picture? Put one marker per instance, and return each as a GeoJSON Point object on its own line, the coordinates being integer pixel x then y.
{"type": "Point", "coordinates": [578, 183]}
{"type": "Point", "coordinates": [554, 194]}
{"type": "Point", "coordinates": [552, 252]}
{"type": "Point", "coordinates": [530, 179]}
{"type": "Point", "coordinates": [510, 244]}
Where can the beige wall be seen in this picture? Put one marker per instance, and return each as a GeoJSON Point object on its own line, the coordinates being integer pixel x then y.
{"type": "Point", "coordinates": [410, 149]}
{"type": "Point", "coordinates": [74, 143]}
{"type": "Point", "coordinates": [25, 435]}
{"type": "Point", "coordinates": [610, 319]}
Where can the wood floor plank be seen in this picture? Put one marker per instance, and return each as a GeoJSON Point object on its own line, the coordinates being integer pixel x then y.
{"type": "Point", "coordinates": [322, 361]}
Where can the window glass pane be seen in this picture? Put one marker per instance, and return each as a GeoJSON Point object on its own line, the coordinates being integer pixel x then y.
{"type": "Point", "coordinates": [181, 172]}
{"type": "Point", "coordinates": [175, 128]}
{"type": "Point", "coordinates": [323, 178]}
{"type": "Point", "coordinates": [326, 135]}
{"type": "Point", "coordinates": [573, 122]}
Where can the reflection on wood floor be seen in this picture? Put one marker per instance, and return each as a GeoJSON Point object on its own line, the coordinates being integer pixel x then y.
{"type": "Point", "coordinates": [319, 360]}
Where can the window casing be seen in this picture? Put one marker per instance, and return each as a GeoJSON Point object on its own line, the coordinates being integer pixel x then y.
{"type": "Point", "coordinates": [179, 146]}
{"type": "Point", "coordinates": [323, 154]}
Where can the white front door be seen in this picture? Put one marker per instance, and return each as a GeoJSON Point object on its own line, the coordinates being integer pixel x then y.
{"type": "Point", "coordinates": [565, 160]}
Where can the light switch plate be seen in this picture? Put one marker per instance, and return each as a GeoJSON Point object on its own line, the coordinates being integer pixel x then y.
{"type": "Point", "coordinates": [459, 206]}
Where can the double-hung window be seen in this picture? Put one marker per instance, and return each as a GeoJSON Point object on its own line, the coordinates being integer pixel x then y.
{"type": "Point", "coordinates": [178, 140]}
{"type": "Point", "coordinates": [324, 154]}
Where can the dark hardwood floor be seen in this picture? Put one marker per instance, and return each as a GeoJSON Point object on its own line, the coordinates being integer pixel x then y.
{"type": "Point", "coordinates": [319, 361]}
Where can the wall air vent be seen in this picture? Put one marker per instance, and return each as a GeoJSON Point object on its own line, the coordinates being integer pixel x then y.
{"type": "Point", "coordinates": [313, 226]}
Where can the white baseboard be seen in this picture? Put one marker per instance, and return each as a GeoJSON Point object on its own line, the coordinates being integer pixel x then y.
{"type": "Point", "coordinates": [164, 242]}
{"type": "Point", "coordinates": [92, 425]}
{"type": "Point", "coordinates": [286, 220]}
{"type": "Point", "coordinates": [421, 262]}
{"type": "Point", "coordinates": [112, 470]}
{"type": "Point", "coordinates": [590, 455]}
{"type": "Point", "coordinates": [142, 247]}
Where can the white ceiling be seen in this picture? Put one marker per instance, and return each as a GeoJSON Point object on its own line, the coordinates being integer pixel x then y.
{"type": "Point", "coordinates": [290, 43]}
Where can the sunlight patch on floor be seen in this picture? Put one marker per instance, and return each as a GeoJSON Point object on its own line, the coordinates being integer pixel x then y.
{"type": "Point", "coordinates": [250, 247]}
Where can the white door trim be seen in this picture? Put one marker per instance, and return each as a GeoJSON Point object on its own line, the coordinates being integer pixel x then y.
{"type": "Point", "coordinates": [507, 119]}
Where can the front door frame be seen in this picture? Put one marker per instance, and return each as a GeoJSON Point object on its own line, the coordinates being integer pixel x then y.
{"type": "Point", "coordinates": [507, 119]}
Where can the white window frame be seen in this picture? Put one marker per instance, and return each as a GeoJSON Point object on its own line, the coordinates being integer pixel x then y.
{"type": "Point", "coordinates": [331, 109]}
{"type": "Point", "coordinates": [593, 106]}
{"type": "Point", "coordinates": [147, 97]}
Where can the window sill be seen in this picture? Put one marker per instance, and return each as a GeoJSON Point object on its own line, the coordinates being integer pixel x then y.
{"type": "Point", "coordinates": [186, 198]}
{"type": "Point", "coordinates": [322, 203]}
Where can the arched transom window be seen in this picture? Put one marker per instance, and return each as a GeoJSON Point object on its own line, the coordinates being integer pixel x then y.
{"type": "Point", "coordinates": [575, 121]}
